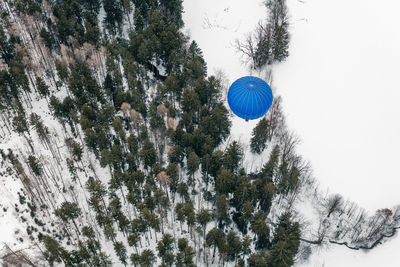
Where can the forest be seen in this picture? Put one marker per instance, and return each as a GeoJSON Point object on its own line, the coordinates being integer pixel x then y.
{"type": "Point", "coordinates": [116, 143]}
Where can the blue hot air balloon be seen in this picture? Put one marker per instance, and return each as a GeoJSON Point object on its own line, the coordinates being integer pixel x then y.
{"type": "Point", "coordinates": [250, 97]}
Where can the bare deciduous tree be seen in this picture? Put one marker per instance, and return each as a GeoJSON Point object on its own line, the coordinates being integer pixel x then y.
{"type": "Point", "coordinates": [125, 108]}
{"type": "Point", "coordinates": [334, 203]}
{"type": "Point", "coordinates": [171, 123]}
{"type": "Point", "coordinates": [276, 118]}
{"type": "Point", "coordinates": [162, 109]}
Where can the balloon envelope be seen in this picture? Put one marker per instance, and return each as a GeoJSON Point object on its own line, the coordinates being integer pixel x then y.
{"type": "Point", "coordinates": [250, 97]}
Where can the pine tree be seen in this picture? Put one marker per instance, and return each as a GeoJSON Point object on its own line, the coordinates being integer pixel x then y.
{"type": "Point", "coordinates": [114, 15]}
{"type": "Point", "coordinates": [270, 168]}
{"type": "Point", "coordinates": [243, 192]}
{"type": "Point", "coordinates": [280, 43]}
{"type": "Point", "coordinates": [165, 249]}
{"type": "Point", "coordinates": [214, 238]}
{"type": "Point", "coordinates": [209, 91]}
{"type": "Point", "coordinates": [92, 34]}
{"type": "Point", "coordinates": [35, 166]}
{"type": "Point", "coordinates": [222, 211]}
{"type": "Point", "coordinates": [190, 101]}
{"type": "Point", "coordinates": [147, 258]}
{"type": "Point", "coordinates": [148, 153]}
{"type": "Point", "coordinates": [259, 259]}
{"type": "Point", "coordinates": [172, 172]}
{"type": "Point", "coordinates": [180, 213]}
{"type": "Point", "coordinates": [203, 217]}
{"type": "Point", "coordinates": [225, 182]}
{"type": "Point", "coordinates": [190, 216]}
{"type": "Point", "coordinates": [184, 258]}
{"type": "Point", "coordinates": [69, 211]}
{"type": "Point", "coordinates": [233, 156]}
{"type": "Point", "coordinates": [246, 245]}
{"type": "Point", "coordinates": [235, 245]}
{"type": "Point", "coordinates": [266, 194]}
{"type": "Point", "coordinates": [286, 242]}
{"type": "Point", "coordinates": [42, 88]}
{"type": "Point", "coordinates": [53, 251]}
{"type": "Point", "coordinates": [120, 250]}
{"type": "Point", "coordinates": [183, 191]}
{"type": "Point", "coordinates": [261, 229]}
{"type": "Point", "coordinates": [20, 124]}
{"type": "Point", "coordinates": [259, 136]}
{"type": "Point", "coordinates": [62, 71]}
{"type": "Point", "coordinates": [218, 125]}
{"type": "Point", "coordinates": [193, 163]}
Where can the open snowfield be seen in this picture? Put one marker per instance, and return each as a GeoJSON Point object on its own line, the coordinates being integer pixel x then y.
{"type": "Point", "coordinates": [340, 94]}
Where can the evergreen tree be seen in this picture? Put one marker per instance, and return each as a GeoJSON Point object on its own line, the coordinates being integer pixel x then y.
{"type": "Point", "coordinates": [214, 237]}
{"type": "Point", "coordinates": [172, 172]}
{"type": "Point", "coordinates": [242, 193]}
{"type": "Point", "coordinates": [120, 250]}
{"type": "Point", "coordinates": [233, 156]}
{"type": "Point", "coordinates": [164, 248]}
{"type": "Point", "coordinates": [209, 91]}
{"type": "Point", "coordinates": [41, 129]}
{"type": "Point", "coordinates": [193, 163]}
{"type": "Point", "coordinates": [147, 258]}
{"type": "Point", "coordinates": [35, 166]}
{"type": "Point", "coordinates": [222, 211]}
{"type": "Point", "coordinates": [180, 213]}
{"type": "Point", "coordinates": [246, 245]}
{"type": "Point", "coordinates": [148, 153]}
{"type": "Point", "coordinates": [6, 46]}
{"type": "Point", "coordinates": [190, 101]}
{"type": "Point", "coordinates": [259, 259]}
{"type": "Point", "coordinates": [53, 253]}
{"type": "Point", "coordinates": [235, 245]}
{"type": "Point", "coordinates": [286, 242]}
{"type": "Point", "coordinates": [261, 229]}
{"type": "Point", "coordinates": [114, 15]}
{"type": "Point", "coordinates": [62, 71]}
{"type": "Point", "coordinates": [225, 182]}
{"type": "Point", "coordinates": [75, 148]}
{"type": "Point", "coordinates": [260, 136]}
{"type": "Point", "coordinates": [92, 34]}
{"type": "Point", "coordinates": [195, 67]}
{"type": "Point", "coordinates": [183, 191]}
{"type": "Point", "coordinates": [48, 38]}
{"type": "Point", "coordinates": [243, 218]}
{"type": "Point", "coordinates": [266, 193]}
{"type": "Point", "coordinates": [203, 217]}
{"type": "Point", "coordinates": [42, 88]}
{"type": "Point", "coordinates": [20, 124]}
{"type": "Point", "coordinates": [217, 125]}
{"type": "Point", "coordinates": [270, 168]}
{"type": "Point", "coordinates": [172, 10]}
{"type": "Point", "coordinates": [184, 258]}
{"type": "Point", "coordinates": [133, 144]}
{"type": "Point", "coordinates": [280, 34]}
{"type": "Point", "coordinates": [68, 211]}
{"type": "Point", "coordinates": [191, 216]}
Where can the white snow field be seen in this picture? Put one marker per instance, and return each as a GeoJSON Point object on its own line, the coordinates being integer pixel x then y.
{"type": "Point", "coordinates": [340, 95]}
{"type": "Point", "coordinates": [340, 90]}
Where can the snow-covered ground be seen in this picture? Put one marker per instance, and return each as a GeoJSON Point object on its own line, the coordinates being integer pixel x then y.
{"type": "Point", "coordinates": [339, 94]}
{"type": "Point", "coordinates": [340, 91]}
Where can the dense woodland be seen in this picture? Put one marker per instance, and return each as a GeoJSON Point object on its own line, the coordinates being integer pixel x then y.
{"type": "Point", "coordinates": [120, 144]}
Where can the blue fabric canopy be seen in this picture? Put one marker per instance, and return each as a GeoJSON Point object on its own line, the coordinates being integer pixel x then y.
{"type": "Point", "coordinates": [250, 97]}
